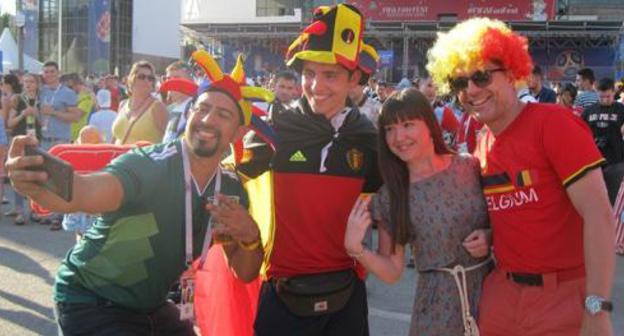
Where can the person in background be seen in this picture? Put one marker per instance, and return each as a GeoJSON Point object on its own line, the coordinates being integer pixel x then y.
{"type": "Point", "coordinates": [80, 222]}
{"type": "Point", "coordinates": [285, 90]}
{"type": "Point", "coordinates": [445, 116]}
{"type": "Point", "coordinates": [606, 120]}
{"type": "Point", "coordinates": [25, 120]}
{"type": "Point", "coordinates": [58, 107]}
{"type": "Point", "coordinates": [371, 88]}
{"type": "Point", "coordinates": [11, 101]}
{"type": "Point", "coordinates": [103, 118]}
{"type": "Point", "coordinates": [469, 130]}
{"type": "Point", "coordinates": [85, 102]}
{"type": "Point", "coordinates": [587, 95]}
{"type": "Point", "coordinates": [552, 223]}
{"type": "Point", "coordinates": [367, 105]}
{"type": "Point", "coordinates": [566, 98]}
{"type": "Point", "coordinates": [58, 110]}
{"type": "Point", "coordinates": [537, 89]}
{"type": "Point", "coordinates": [619, 87]}
{"type": "Point", "coordinates": [177, 102]}
{"type": "Point", "coordinates": [141, 117]}
{"type": "Point", "coordinates": [382, 90]}
{"type": "Point", "coordinates": [111, 82]}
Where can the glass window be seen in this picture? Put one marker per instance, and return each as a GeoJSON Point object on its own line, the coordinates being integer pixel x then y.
{"type": "Point", "coordinates": [276, 7]}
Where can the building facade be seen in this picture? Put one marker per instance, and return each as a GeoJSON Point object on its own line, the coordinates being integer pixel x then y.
{"type": "Point", "coordinates": [564, 35]}
{"type": "Point", "coordinates": [102, 36]}
{"type": "Point", "coordinates": [95, 35]}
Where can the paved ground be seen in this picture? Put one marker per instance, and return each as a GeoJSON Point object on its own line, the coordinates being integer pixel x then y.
{"type": "Point", "coordinates": [29, 256]}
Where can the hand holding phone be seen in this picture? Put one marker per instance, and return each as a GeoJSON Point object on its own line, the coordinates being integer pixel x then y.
{"type": "Point", "coordinates": [60, 173]}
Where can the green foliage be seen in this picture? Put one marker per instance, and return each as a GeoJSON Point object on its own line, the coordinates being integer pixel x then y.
{"type": "Point", "coordinates": [5, 21]}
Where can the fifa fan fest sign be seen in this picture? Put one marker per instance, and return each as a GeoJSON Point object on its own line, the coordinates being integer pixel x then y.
{"type": "Point", "coordinates": [432, 10]}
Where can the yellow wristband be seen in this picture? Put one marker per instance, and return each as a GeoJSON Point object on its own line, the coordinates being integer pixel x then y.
{"type": "Point", "coordinates": [250, 246]}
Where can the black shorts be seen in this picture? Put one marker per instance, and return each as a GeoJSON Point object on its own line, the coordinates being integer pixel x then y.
{"type": "Point", "coordinates": [274, 319]}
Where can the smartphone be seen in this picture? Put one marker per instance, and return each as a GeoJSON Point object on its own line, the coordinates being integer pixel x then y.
{"type": "Point", "coordinates": [60, 173]}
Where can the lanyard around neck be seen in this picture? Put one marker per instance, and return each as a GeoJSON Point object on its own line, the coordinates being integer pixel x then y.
{"type": "Point", "coordinates": [188, 207]}
{"type": "Point", "coordinates": [50, 101]}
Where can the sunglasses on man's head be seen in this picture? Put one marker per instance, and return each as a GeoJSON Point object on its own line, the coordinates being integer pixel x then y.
{"type": "Point", "coordinates": [150, 78]}
{"type": "Point", "coordinates": [480, 78]}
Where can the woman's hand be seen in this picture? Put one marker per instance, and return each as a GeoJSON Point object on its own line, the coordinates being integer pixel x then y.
{"type": "Point", "coordinates": [477, 243]}
{"type": "Point", "coordinates": [30, 111]}
{"type": "Point", "coordinates": [359, 221]}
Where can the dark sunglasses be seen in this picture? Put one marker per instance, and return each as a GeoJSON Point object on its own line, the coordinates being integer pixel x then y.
{"type": "Point", "coordinates": [150, 78]}
{"type": "Point", "coordinates": [481, 79]}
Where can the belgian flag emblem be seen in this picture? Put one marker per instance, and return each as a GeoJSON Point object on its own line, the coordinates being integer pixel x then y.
{"type": "Point", "coordinates": [526, 178]}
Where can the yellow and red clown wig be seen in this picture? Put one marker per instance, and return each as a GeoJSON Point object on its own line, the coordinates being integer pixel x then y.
{"type": "Point", "coordinates": [471, 44]}
{"type": "Point", "coordinates": [234, 84]}
{"type": "Point", "coordinates": [333, 37]}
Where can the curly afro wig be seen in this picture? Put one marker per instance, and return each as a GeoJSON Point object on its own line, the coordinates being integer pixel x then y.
{"type": "Point", "coordinates": [471, 44]}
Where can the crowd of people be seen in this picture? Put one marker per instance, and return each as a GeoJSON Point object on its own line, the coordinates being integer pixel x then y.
{"type": "Point", "coordinates": [505, 224]}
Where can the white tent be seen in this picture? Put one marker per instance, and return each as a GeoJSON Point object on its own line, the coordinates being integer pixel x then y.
{"type": "Point", "coordinates": [9, 55]}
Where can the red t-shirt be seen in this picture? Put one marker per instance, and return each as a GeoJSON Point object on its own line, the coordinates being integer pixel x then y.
{"type": "Point", "coordinates": [114, 98]}
{"type": "Point", "coordinates": [526, 170]}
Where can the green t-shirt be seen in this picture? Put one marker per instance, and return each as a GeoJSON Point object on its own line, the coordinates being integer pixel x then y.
{"type": "Point", "coordinates": [85, 104]}
{"type": "Point", "coordinates": [133, 255]}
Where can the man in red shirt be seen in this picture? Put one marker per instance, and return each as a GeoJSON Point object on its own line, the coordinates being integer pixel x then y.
{"type": "Point", "coordinates": [551, 220]}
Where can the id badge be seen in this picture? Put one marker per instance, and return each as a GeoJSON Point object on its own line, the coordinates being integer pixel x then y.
{"type": "Point", "coordinates": [462, 147]}
{"type": "Point", "coordinates": [187, 289]}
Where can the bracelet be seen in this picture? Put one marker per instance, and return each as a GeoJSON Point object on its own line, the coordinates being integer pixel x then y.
{"type": "Point", "coordinates": [358, 254]}
{"type": "Point", "coordinates": [250, 246]}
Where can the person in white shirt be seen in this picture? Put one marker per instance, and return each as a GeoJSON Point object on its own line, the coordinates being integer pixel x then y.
{"type": "Point", "coordinates": [103, 118]}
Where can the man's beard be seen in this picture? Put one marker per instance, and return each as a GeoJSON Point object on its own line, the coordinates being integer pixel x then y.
{"type": "Point", "coordinates": [201, 149]}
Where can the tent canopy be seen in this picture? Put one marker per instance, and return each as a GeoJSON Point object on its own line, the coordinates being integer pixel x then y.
{"type": "Point", "coordinates": [10, 58]}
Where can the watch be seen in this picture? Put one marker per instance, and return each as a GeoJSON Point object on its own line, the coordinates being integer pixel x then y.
{"type": "Point", "coordinates": [595, 304]}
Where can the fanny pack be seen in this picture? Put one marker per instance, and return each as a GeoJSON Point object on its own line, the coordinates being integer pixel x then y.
{"type": "Point", "coordinates": [316, 294]}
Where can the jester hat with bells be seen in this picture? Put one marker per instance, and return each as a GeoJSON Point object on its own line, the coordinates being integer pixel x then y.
{"type": "Point", "coordinates": [235, 86]}
{"type": "Point", "coordinates": [333, 37]}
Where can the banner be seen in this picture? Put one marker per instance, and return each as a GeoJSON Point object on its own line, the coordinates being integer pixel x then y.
{"type": "Point", "coordinates": [562, 64]}
{"type": "Point", "coordinates": [386, 58]}
{"type": "Point", "coordinates": [30, 8]}
{"type": "Point", "coordinates": [431, 10]}
{"type": "Point", "coordinates": [99, 36]}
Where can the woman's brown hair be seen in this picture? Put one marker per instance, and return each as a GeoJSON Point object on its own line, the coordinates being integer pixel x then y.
{"type": "Point", "coordinates": [407, 104]}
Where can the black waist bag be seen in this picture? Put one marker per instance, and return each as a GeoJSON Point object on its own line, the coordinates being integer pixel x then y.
{"type": "Point", "coordinates": [316, 294]}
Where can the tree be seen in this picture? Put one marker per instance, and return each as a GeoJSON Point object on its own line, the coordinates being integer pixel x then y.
{"type": "Point", "coordinates": [5, 21]}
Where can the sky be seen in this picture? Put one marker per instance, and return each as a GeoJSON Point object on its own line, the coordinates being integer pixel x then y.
{"type": "Point", "coordinates": [7, 6]}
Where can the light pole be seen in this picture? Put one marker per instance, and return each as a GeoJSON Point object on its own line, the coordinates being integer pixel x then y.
{"type": "Point", "coordinates": [60, 34]}
{"type": "Point", "coordinates": [20, 20]}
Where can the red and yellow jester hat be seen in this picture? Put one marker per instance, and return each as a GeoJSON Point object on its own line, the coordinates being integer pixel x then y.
{"type": "Point", "coordinates": [233, 84]}
{"type": "Point", "coordinates": [472, 43]}
{"type": "Point", "coordinates": [368, 62]}
{"type": "Point", "coordinates": [334, 37]}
